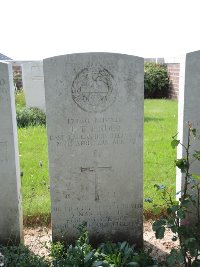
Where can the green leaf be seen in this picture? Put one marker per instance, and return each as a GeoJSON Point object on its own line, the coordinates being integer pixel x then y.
{"type": "Point", "coordinates": [194, 131]}
{"type": "Point", "coordinates": [160, 232]}
{"type": "Point", "coordinates": [180, 257]}
{"type": "Point", "coordinates": [171, 259]}
{"type": "Point", "coordinates": [181, 164]}
{"type": "Point", "coordinates": [98, 264]}
{"type": "Point", "coordinates": [196, 177]}
{"type": "Point", "coordinates": [88, 256]}
{"type": "Point", "coordinates": [123, 245]}
{"type": "Point", "coordinates": [158, 227]}
{"type": "Point", "coordinates": [185, 202]}
{"type": "Point", "coordinates": [181, 214]}
{"type": "Point", "coordinates": [169, 210]}
{"type": "Point", "coordinates": [133, 264]}
{"type": "Point", "coordinates": [196, 155]}
{"type": "Point", "coordinates": [175, 143]}
{"type": "Point", "coordinates": [174, 230]}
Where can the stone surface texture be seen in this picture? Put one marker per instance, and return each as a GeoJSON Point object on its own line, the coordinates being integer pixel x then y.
{"type": "Point", "coordinates": [94, 106]}
{"type": "Point", "coordinates": [189, 110]}
{"type": "Point", "coordinates": [10, 196]}
{"type": "Point", "coordinates": [33, 84]}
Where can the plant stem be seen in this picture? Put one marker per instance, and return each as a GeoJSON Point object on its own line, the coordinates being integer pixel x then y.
{"type": "Point", "coordinates": [187, 165]}
{"type": "Point", "coordinates": [198, 204]}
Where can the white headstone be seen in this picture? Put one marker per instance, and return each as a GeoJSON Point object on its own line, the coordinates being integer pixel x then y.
{"type": "Point", "coordinates": [94, 106]}
{"type": "Point", "coordinates": [189, 111]}
{"type": "Point", "coordinates": [10, 195]}
{"type": "Point", "coordinates": [33, 84]}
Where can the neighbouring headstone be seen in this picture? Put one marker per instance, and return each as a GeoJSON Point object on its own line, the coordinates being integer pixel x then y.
{"type": "Point", "coordinates": [10, 195]}
{"type": "Point", "coordinates": [189, 111]}
{"type": "Point", "coordinates": [33, 84]}
{"type": "Point", "coordinates": [94, 106]}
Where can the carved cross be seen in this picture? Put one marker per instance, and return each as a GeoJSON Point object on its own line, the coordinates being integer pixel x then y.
{"type": "Point", "coordinates": [95, 169]}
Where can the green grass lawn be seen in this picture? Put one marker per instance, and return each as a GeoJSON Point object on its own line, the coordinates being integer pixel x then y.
{"type": "Point", "coordinates": [160, 125]}
{"type": "Point", "coordinates": [34, 171]}
{"type": "Point", "coordinates": [20, 99]}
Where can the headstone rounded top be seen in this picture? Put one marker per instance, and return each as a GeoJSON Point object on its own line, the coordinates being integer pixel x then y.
{"type": "Point", "coordinates": [93, 54]}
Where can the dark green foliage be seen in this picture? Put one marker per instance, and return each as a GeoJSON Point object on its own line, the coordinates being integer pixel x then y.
{"type": "Point", "coordinates": [82, 254]}
{"type": "Point", "coordinates": [108, 254]}
{"type": "Point", "coordinates": [30, 117]}
{"type": "Point", "coordinates": [20, 257]}
{"type": "Point", "coordinates": [122, 254]}
{"type": "Point", "coordinates": [156, 80]}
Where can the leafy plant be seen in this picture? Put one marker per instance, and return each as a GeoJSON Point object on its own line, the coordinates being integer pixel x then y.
{"type": "Point", "coordinates": [108, 254]}
{"type": "Point", "coordinates": [156, 80]}
{"type": "Point", "coordinates": [81, 254]}
{"type": "Point", "coordinates": [185, 230]}
{"type": "Point", "coordinates": [20, 256]}
{"type": "Point", "coordinates": [30, 117]}
{"type": "Point", "coordinates": [122, 254]}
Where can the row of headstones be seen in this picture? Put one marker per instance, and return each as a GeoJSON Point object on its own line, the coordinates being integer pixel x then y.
{"type": "Point", "coordinates": [33, 79]}
{"type": "Point", "coordinates": [32, 82]}
{"type": "Point", "coordinates": [94, 108]}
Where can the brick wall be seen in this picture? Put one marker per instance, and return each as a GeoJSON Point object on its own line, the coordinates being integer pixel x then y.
{"type": "Point", "coordinates": [173, 72]}
{"type": "Point", "coordinates": [173, 68]}
{"type": "Point", "coordinates": [17, 71]}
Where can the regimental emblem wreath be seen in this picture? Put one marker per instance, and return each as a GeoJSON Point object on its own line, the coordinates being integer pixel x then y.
{"type": "Point", "coordinates": [94, 89]}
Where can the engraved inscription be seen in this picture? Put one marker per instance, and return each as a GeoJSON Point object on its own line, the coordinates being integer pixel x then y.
{"type": "Point", "coordinates": [94, 132]}
{"type": "Point", "coordinates": [121, 216]}
{"type": "Point", "coordinates": [94, 89]}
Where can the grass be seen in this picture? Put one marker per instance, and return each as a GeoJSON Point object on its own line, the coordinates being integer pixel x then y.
{"type": "Point", "coordinates": [160, 123]}
{"type": "Point", "coordinates": [20, 99]}
{"type": "Point", "coordinates": [34, 172]}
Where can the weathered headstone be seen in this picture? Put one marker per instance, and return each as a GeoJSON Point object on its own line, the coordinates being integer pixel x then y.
{"type": "Point", "coordinates": [189, 111]}
{"type": "Point", "coordinates": [33, 84]}
{"type": "Point", "coordinates": [94, 106]}
{"type": "Point", "coordinates": [10, 195]}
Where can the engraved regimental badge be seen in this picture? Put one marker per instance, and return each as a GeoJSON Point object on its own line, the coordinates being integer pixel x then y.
{"type": "Point", "coordinates": [94, 89]}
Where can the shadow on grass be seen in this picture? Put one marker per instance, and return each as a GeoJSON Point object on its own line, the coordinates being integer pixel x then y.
{"type": "Point", "coordinates": [148, 119]}
{"type": "Point", "coordinates": [37, 220]}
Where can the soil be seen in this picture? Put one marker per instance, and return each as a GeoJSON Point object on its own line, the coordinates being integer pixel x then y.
{"type": "Point", "coordinates": [38, 240]}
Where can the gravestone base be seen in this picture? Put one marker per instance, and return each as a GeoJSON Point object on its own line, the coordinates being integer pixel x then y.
{"type": "Point", "coordinates": [96, 239]}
